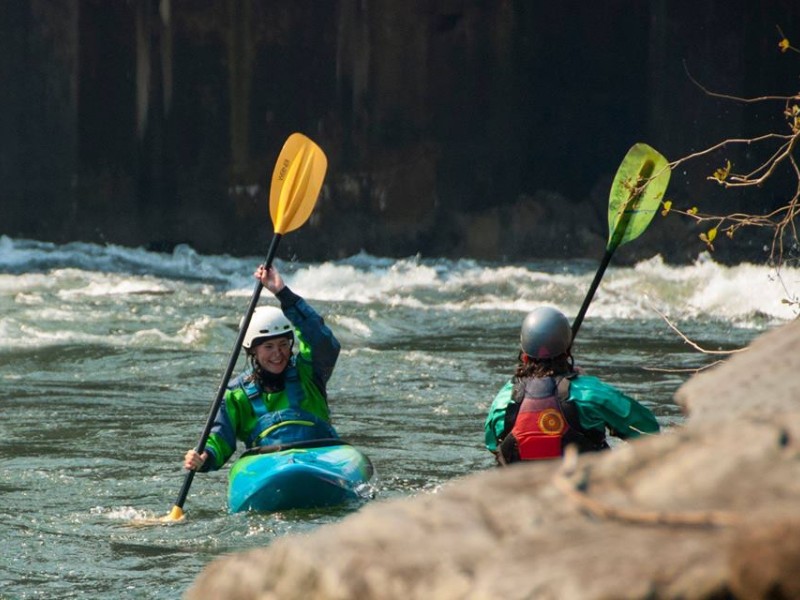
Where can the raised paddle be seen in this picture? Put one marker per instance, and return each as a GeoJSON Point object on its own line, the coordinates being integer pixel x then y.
{"type": "Point", "coordinates": [635, 196]}
{"type": "Point", "coordinates": [296, 182]}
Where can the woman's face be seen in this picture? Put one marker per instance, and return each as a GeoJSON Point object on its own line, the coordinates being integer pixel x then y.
{"type": "Point", "coordinates": [273, 355]}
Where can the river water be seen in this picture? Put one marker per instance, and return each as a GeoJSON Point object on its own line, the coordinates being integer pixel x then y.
{"type": "Point", "coordinates": [110, 358]}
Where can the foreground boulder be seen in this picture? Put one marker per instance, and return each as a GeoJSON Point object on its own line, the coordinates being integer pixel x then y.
{"type": "Point", "coordinates": [707, 510]}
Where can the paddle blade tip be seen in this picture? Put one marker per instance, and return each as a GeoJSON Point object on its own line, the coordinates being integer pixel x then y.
{"type": "Point", "coordinates": [175, 515]}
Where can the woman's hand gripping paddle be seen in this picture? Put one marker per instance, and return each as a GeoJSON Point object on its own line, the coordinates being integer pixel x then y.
{"type": "Point", "coordinates": [636, 194]}
{"type": "Point", "coordinates": [296, 182]}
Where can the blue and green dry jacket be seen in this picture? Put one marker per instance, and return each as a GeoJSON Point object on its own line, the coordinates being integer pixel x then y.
{"type": "Point", "coordinates": [299, 411]}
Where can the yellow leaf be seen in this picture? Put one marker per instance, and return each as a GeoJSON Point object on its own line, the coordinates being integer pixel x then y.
{"type": "Point", "coordinates": [692, 211]}
{"type": "Point", "coordinates": [712, 233]}
{"type": "Point", "coordinates": [704, 238]}
{"type": "Point", "coordinates": [793, 116]}
{"type": "Point", "coordinates": [667, 207]}
{"type": "Point", "coordinates": [784, 45]}
{"type": "Point", "coordinates": [721, 174]}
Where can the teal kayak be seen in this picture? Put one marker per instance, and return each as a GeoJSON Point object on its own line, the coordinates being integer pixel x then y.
{"type": "Point", "coordinates": [310, 474]}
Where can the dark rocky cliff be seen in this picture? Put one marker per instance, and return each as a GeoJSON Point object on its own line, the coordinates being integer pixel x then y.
{"type": "Point", "coordinates": [453, 128]}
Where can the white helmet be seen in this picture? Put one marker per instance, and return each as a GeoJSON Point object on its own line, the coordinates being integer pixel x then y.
{"type": "Point", "coordinates": [267, 322]}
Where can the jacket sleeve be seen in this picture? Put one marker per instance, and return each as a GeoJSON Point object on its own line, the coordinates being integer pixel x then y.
{"type": "Point", "coordinates": [603, 406]}
{"type": "Point", "coordinates": [316, 339]}
{"type": "Point", "coordinates": [495, 419]}
{"type": "Point", "coordinates": [221, 442]}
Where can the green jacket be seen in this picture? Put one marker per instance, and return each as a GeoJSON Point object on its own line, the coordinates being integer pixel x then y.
{"type": "Point", "coordinates": [598, 404]}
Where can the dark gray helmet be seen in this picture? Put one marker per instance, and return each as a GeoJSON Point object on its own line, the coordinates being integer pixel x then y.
{"type": "Point", "coordinates": [546, 333]}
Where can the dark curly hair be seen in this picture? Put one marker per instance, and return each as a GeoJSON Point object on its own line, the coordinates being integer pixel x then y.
{"type": "Point", "coordinates": [544, 367]}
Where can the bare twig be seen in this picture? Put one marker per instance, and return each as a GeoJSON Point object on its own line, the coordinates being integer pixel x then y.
{"type": "Point", "coordinates": [690, 342]}
{"type": "Point", "coordinates": [697, 370]}
{"type": "Point", "coordinates": [728, 96]}
{"type": "Point", "coordinates": [725, 143]}
{"type": "Point", "coordinates": [780, 220]}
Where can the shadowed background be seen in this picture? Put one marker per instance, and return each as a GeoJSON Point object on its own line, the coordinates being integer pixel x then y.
{"type": "Point", "coordinates": [453, 127]}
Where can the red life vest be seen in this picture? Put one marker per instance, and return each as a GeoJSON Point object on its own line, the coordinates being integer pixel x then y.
{"type": "Point", "coordinates": [540, 426]}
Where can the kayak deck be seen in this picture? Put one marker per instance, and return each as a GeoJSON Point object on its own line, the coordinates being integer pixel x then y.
{"type": "Point", "coordinates": [312, 474]}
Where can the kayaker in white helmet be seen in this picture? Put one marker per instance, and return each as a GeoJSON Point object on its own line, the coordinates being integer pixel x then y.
{"type": "Point", "coordinates": [548, 404]}
{"type": "Point", "coordinates": [281, 397]}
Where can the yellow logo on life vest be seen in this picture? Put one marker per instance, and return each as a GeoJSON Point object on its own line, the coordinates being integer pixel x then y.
{"type": "Point", "coordinates": [551, 422]}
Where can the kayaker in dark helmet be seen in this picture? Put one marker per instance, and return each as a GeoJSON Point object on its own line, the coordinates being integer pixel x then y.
{"type": "Point", "coordinates": [281, 397]}
{"type": "Point", "coordinates": [548, 404]}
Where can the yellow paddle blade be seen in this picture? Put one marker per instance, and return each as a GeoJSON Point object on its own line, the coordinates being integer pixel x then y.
{"type": "Point", "coordinates": [296, 182]}
{"type": "Point", "coordinates": [176, 514]}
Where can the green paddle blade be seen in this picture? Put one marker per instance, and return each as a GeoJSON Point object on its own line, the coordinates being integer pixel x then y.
{"type": "Point", "coordinates": [636, 194]}
{"type": "Point", "coordinates": [296, 182]}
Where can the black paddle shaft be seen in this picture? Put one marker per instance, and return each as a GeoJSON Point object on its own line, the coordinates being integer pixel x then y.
{"type": "Point", "coordinates": [576, 325]}
{"type": "Point", "coordinates": [212, 413]}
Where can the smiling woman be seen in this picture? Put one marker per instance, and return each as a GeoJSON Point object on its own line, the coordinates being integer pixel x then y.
{"type": "Point", "coordinates": [273, 354]}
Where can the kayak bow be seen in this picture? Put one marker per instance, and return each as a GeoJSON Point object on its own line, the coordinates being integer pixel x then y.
{"type": "Point", "coordinates": [311, 474]}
